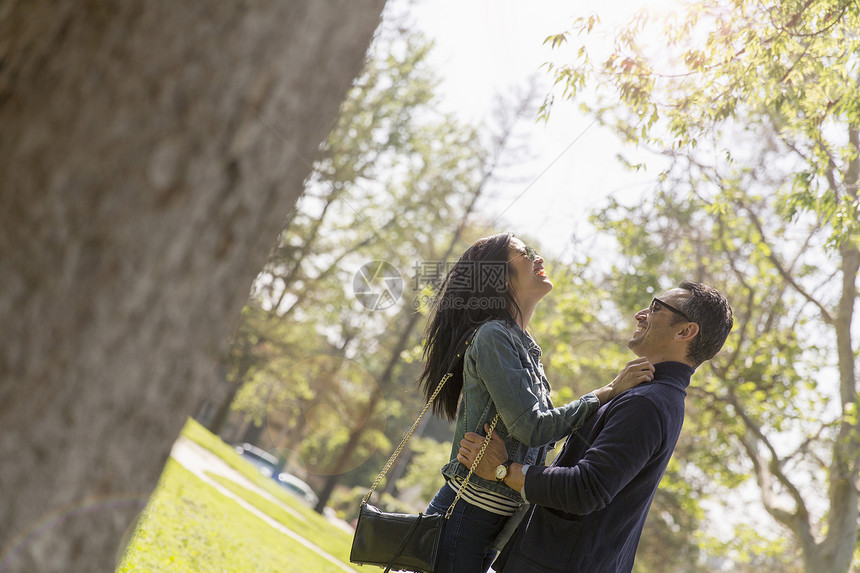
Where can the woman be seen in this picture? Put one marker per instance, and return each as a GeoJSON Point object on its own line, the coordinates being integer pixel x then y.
{"type": "Point", "coordinates": [492, 291]}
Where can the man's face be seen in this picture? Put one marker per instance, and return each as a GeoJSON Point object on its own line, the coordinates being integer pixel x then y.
{"type": "Point", "coordinates": [657, 324]}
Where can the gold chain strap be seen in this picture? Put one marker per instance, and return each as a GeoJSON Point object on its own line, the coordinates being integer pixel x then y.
{"type": "Point", "coordinates": [474, 466]}
{"type": "Point", "coordinates": [405, 439]}
{"type": "Point", "coordinates": [411, 431]}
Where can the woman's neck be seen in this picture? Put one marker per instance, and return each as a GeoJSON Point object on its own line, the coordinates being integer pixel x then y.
{"type": "Point", "coordinates": [525, 315]}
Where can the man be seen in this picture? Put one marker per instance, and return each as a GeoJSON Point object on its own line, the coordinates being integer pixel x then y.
{"type": "Point", "coordinates": [589, 507]}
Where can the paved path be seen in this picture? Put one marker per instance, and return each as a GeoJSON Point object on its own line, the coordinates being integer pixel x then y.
{"type": "Point", "coordinates": [199, 461]}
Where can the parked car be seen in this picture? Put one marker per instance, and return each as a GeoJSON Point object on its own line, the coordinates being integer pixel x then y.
{"type": "Point", "coordinates": [298, 488]}
{"type": "Point", "coordinates": [268, 465]}
{"type": "Point", "coordinates": [265, 462]}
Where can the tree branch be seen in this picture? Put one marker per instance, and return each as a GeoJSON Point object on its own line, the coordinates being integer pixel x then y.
{"type": "Point", "coordinates": [768, 468]}
{"type": "Point", "coordinates": [828, 318]}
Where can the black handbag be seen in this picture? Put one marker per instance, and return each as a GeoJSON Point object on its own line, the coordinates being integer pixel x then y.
{"type": "Point", "coordinates": [403, 541]}
{"type": "Point", "coordinates": [399, 540]}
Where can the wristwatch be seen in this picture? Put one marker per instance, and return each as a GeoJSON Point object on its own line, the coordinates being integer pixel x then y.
{"type": "Point", "coordinates": [502, 471]}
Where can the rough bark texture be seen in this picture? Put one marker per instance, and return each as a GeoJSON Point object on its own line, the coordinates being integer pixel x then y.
{"type": "Point", "coordinates": [149, 153]}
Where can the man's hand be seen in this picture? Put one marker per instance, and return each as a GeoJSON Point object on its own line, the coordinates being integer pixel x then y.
{"type": "Point", "coordinates": [495, 455]}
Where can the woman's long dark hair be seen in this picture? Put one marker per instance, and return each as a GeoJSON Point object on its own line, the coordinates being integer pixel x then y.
{"type": "Point", "coordinates": [474, 291]}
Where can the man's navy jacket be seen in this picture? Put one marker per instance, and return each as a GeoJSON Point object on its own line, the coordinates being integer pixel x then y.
{"type": "Point", "coordinates": [590, 505]}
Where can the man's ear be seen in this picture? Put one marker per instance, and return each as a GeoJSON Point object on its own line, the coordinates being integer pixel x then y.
{"type": "Point", "coordinates": [688, 333]}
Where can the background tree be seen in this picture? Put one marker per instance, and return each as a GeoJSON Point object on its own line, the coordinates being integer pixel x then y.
{"type": "Point", "coordinates": [755, 109]}
{"type": "Point", "coordinates": [397, 181]}
{"type": "Point", "coordinates": [389, 177]}
{"type": "Point", "coordinates": [150, 153]}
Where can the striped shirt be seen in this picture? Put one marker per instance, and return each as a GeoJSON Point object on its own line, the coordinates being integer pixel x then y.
{"type": "Point", "coordinates": [485, 499]}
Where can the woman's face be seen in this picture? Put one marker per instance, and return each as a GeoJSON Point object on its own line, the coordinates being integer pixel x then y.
{"type": "Point", "coordinates": [528, 277]}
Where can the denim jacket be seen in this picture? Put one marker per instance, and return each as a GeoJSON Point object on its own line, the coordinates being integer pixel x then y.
{"type": "Point", "coordinates": [502, 373]}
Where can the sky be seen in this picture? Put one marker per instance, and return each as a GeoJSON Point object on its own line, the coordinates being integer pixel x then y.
{"type": "Point", "coordinates": [485, 47]}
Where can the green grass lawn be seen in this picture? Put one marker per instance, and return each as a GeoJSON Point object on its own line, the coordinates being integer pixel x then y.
{"type": "Point", "coordinates": [188, 526]}
{"type": "Point", "coordinates": [313, 527]}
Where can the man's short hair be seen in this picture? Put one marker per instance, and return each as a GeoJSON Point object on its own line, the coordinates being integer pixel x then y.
{"type": "Point", "coordinates": [708, 308]}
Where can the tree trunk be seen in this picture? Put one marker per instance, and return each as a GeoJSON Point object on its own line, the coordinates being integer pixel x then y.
{"type": "Point", "coordinates": [836, 552]}
{"type": "Point", "coordinates": [216, 425]}
{"type": "Point", "coordinates": [150, 153]}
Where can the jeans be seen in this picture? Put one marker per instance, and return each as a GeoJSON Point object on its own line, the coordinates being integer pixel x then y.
{"type": "Point", "coordinates": [468, 534]}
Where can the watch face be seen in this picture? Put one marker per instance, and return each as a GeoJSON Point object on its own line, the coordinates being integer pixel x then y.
{"type": "Point", "coordinates": [501, 472]}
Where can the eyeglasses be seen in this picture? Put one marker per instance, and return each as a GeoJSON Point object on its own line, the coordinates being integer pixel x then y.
{"type": "Point", "coordinates": [656, 301]}
{"type": "Point", "coordinates": [529, 253]}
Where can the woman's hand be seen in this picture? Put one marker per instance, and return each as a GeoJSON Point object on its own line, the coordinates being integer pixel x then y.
{"type": "Point", "coordinates": [637, 371]}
